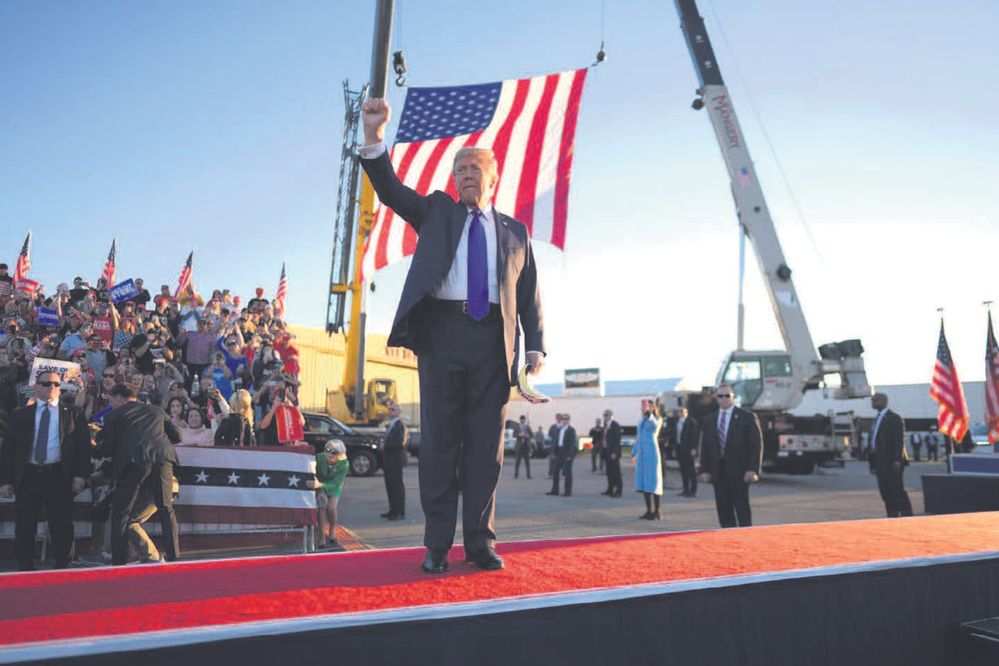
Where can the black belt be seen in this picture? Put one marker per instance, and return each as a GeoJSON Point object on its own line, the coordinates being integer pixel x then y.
{"type": "Point", "coordinates": [461, 307]}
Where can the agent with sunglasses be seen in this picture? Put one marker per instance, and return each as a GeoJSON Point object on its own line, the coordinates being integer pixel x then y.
{"type": "Point", "coordinates": [44, 459]}
{"type": "Point", "coordinates": [731, 456]}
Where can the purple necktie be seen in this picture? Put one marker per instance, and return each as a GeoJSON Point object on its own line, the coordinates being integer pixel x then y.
{"type": "Point", "coordinates": [478, 267]}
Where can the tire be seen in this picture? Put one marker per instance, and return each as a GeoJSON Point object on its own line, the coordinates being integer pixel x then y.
{"type": "Point", "coordinates": [363, 463]}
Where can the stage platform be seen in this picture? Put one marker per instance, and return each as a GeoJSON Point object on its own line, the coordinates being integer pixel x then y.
{"type": "Point", "coordinates": [847, 593]}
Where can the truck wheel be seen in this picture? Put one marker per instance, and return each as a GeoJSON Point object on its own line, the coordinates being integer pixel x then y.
{"type": "Point", "coordinates": [363, 463]}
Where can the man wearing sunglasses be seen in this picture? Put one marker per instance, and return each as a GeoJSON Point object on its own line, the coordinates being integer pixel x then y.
{"type": "Point", "coordinates": [44, 459]}
{"type": "Point", "coordinates": [731, 456]}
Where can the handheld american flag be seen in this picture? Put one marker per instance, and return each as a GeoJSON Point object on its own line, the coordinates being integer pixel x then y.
{"type": "Point", "coordinates": [109, 268]}
{"type": "Point", "coordinates": [992, 384]}
{"type": "Point", "coordinates": [184, 281]}
{"type": "Point", "coordinates": [945, 389]}
{"type": "Point", "coordinates": [23, 264]}
{"type": "Point", "coordinates": [282, 292]}
{"type": "Point", "coordinates": [530, 124]}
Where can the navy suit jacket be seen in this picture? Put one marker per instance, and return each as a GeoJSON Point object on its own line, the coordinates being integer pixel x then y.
{"type": "Point", "coordinates": [743, 444]}
{"type": "Point", "coordinates": [19, 444]}
{"type": "Point", "coordinates": [439, 221]}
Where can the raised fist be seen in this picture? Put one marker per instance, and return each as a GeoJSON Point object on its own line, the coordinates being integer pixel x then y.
{"type": "Point", "coordinates": [375, 115]}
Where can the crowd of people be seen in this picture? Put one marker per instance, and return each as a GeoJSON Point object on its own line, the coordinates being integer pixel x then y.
{"type": "Point", "coordinates": [199, 360]}
{"type": "Point", "coordinates": [217, 372]}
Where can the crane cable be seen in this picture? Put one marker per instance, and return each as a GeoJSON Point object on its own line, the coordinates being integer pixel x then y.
{"type": "Point", "coordinates": [766, 136]}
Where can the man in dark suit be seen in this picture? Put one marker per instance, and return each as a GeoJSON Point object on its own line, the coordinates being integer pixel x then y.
{"type": "Point", "coordinates": [731, 457]}
{"type": "Point", "coordinates": [471, 288]}
{"type": "Point", "coordinates": [597, 452]}
{"type": "Point", "coordinates": [888, 458]}
{"type": "Point", "coordinates": [612, 448]}
{"type": "Point", "coordinates": [564, 450]}
{"type": "Point", "coordinates": [688, 439]}
{"type": "Point", "coordinates": [393, 460]}
{"type": "Point", "coordinates": [140, 440]}
{"type": "Point", "coordinates": [45, 458]}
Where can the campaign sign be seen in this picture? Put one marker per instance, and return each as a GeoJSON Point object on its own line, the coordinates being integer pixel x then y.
{"type": "Point", "coordinates": [66, 369]}
{"type": "Point", "coordinates": [98, 418]}
{"type": "Point", "coordinates": [47, 316]}
{"type": "Point", "coordinates": [123, 291]}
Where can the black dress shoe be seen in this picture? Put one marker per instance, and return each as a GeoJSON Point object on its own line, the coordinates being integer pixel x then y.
{"type": "Point", "coordinates": [608, 493]}
{"type": "Point", "coordinates": [435, 561]}
{"type": "Point", "coordinates": [386, 514]}
{"type": "Point", "coordinates": [566, 494]}
{"type": "Point", "coordinates": [646, 516]}
{"type": "Point", "coordinates": [553, 492]}
{"type": "Point", "coordinates": [485, 558]}
{"type": "Point", "coordinates": [617, 494]}
{"type": "Point", "coordinates": [396, 516]}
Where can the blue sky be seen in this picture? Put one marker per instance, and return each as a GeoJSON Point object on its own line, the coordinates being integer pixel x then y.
{"type": "Point", "coordinates": [216, 126]}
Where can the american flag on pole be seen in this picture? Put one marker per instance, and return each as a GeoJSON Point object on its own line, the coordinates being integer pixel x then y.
{"type": "Point", "coordinates": [992, 384]}
{"type": "Point", "coordinates": [184, 281]}
{"type": "Point", "coordinates": [23, 264]}
{"type": "Point", "coordinates": [945, 389]}
{"type": "Point", "coordinates": [282, 292]}
{"type": "Point", "coordinates": [530, 124]}
{"type": "Point", "coordinates": [109, 268]}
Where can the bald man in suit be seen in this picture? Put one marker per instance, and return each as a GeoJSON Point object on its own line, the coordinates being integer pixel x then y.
{"type": "Point", "coordinates": [731, 457]}
{"type": "Point", "coordinates": [44, 459]}
{"type": "Point", "coordinates": [471, 289]}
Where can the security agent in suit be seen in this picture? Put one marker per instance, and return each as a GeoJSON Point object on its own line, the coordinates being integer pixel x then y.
{"type": "Point", "coordinates": [732, 463]}
{"type": "Point", "coordinates": [467, 361]}
{"type": "Point", "coordinates": [688, 440]}
{"type": "Point", "coordinates": [888, 458]}
{"type": "Point", "coordinates": [612, 448]}
{"type": "Point", "coordinates": [140, 440]}
{"type": "Point", "coordinates": [44, 458]}
{"type": "Point", "coordinates": [393, 460]}
{"type": "Point", "coordinates": [564, 450]}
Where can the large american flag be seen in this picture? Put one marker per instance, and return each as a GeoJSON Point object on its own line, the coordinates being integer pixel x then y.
{"type": "Point", "coordinates": [531, 126]}
{"type": "Point", "coordinates": [23, 264]}
{"type": "Point", "coordinates": [109, 267]}
{"type": "Point", "coordinates": [992, 384]}
{"type": "Point", "coordinates": [282, 293]}
{"type": "Point", "coordinates": [945, 389]}
{"type": "Point", "coordinates": [184, 281]}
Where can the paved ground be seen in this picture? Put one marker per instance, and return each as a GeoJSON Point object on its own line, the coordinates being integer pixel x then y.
{"type": "Point", "coordinates": [524, 511]}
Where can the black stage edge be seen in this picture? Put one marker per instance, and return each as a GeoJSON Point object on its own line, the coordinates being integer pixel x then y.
{"type": "Point", "coordinates": [908, 613]}
{"type": "Point", "coordinates": [960, 493]}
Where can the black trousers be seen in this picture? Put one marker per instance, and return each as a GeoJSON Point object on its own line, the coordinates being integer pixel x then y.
{"type": "Point", "coordinates": [597, 457]}
{"type": "Point", "coordinates": [688, 472]}
{"type": "Point", "coordinates": [892, 488]}
{"type": "Point", "coordinates": [732, 498]}
{"type": "Point", "coordinates": [395, 489]}
{"type": "Point", "coordinates": [523, 453]}
{"type": "Point", "coordinates": [48, 485]}
{"type": "Point", "coordinates": [563, 465]}
{"type": "Point", "coordinates": [464, 389]}
{"type": "Point", "coordinates": [159, 478]}
{"type": "Point", "coordinates": [614, 482]}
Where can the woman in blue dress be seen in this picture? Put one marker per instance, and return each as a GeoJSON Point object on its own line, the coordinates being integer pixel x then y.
{"type": "Point", "coordinates": [645, 455]}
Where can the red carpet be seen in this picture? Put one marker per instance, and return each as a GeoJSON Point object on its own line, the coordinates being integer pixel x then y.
{"type": "Point", "coordinates": [60, 605]}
